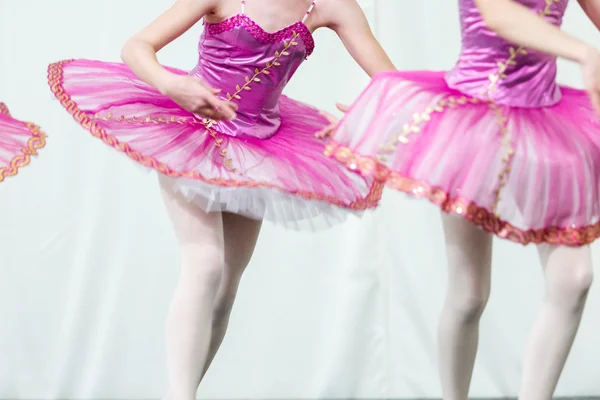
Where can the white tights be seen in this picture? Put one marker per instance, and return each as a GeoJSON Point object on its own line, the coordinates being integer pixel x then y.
{"type": "Point", "coordinates": [215, 250]}
{"type": "Point", "coordinates": [568, 275]}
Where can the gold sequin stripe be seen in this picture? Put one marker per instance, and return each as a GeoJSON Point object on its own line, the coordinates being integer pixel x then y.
{"type": "Point", "coordinates": [419, 121]}
{"type": "Point", "coordinates": [509, 152]}
{"type": "Point", "coordinates": [498, 111]}
{"type": "Point", "coordinates": [514, 53]}
{"type": "Point", "coordinates": [208, 123]}
{"type": "Point", "coordinates": [502, 121]}
{"type": "Point", "coordinates": [55, 80]}
{"type": "Point", "coordinates": [34, 143]}
{"type": "Point", "coordinates": [148, 120]}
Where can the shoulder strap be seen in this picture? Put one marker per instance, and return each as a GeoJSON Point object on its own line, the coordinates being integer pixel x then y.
{"type": "Point", "coordinates": [243, 7]}
{"type": "Point", "coordinates": [312, 6]}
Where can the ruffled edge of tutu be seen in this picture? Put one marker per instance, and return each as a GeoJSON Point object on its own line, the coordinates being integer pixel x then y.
{"type": "Point", "coordinates": [296, 214]}
{"type": "Point", "coordinates": [55, 80]}
{"type": "Point", "coordinates": [368, 166]}
{"type": "Point", "coordinates": [34, 143]}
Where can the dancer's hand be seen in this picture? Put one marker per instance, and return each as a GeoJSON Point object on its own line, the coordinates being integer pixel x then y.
{"type": "Point", "coordinates": [333, 122]}
{"type": "Point", "coordinates": [196, 96]}
{"type": "Point", "coordinates": [590, 68]}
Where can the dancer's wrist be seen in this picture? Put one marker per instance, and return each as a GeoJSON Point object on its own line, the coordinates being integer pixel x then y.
{"type": "Point", "coordinates": [165, 83]}
{"type": "Point", "coordinates": [584, 52]}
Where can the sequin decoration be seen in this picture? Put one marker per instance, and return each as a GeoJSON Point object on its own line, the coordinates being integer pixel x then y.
{"type": "Point", "coordinates": [249, 80]}
{"type": "Point", "coordinates": [34, 143]}
{"type": "Point", "coordinates": [480, 216]}
{"type": "Point", "coordinates": [420, 119]}
{"type": "Point", "coordinates": [242, 20]}
{"type": "Point", "coordinates": [505, 136]}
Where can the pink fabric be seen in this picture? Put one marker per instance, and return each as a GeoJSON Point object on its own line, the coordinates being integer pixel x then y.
{"type": "Point", "coordinates": [264, 164]}
{"type": "Point", "coordinates": [529, 79]}
{"type": "Point", "coordinates": [494, 140]}
{"type": "Point", "coordinates": [232, 50]}
{"type": "Point", "coordinates": [457, 155]}
{"type": "Point", "coordinates": [106, 97]}
{"type": "Point", "coordinates": [18, 142]}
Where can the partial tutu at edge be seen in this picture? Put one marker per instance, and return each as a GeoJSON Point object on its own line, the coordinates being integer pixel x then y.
{"type": "Point", "coordinates": [19, 141]}
{"type": "Point", "coordinates": [285, 179]}
{"type": "Point", "coordinates": [529, 175]}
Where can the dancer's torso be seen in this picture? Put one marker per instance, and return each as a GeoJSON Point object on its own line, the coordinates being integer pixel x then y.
{"type": "Point", "coordinates": [491, 68]}
{"type": "Point", "coordinates": [251, 67]}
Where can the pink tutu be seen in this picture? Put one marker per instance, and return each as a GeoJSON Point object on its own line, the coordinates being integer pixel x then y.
{"type": "Point", "coordinates": [18, 142]}
{"type": "Point", "coordinates": [284, 178]}
{"type": "Point", "coordinates": [530, 175]}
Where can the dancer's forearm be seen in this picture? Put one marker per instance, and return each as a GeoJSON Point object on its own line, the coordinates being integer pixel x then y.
{"type": "Point", "coordinates": [350, 24]}
{"type": "Point", "coordinates": [516, 23]}
{"type": "Point", "coordinates": [139, 52]}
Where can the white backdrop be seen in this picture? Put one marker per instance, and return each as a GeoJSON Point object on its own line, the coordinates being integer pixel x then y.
{"type": "Point", "coordinates": [89, 261]}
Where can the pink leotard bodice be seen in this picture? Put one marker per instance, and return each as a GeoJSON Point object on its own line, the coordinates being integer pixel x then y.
{"type": "Point", "coordinates": [252, 67]}
{"type": "Point", "coordinates": [491, 68]}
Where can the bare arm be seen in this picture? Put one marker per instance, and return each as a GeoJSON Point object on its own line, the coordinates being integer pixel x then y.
{"type": "Point", "coordinates": [191, 93]}
{"type": "Point", "coordinates": [139, 52]}
{"type": "Point", "coordinates": [592, 9]}
{"type": "Point", "coordinates": [518, 24]}
{"type": "Point", "coordinates": [347, 19]}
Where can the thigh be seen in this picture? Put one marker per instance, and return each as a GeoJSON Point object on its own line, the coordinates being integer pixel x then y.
{"type": "Point", "coordinates": [566, 267]}
{"type": "Point", "coordinates": [192, 224]}
{"type": "Point", "coordinates": [469, 252]}
{"type": "Point", "coordinates": [552, 256]}
{"type": "Point", "coordinates": [240, 237]}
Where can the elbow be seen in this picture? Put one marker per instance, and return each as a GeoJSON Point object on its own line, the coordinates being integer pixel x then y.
{"type": "Point", "coordinates": [134, 47]}
{"type": "Point", "coordinates": [126, 51]}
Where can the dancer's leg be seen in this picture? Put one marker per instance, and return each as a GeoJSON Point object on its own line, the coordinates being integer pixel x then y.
{"type": "Point", "coordinates": [469, 252]}
{"type": "Point", "coordinates": [568, 272]}
{"type": "Point", "coordinates": [189, 320]}
{"type": "Point", "coordinates": [240, 234]}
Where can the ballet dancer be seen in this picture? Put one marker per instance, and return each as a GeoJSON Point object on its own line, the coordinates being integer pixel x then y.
{"type": "Point", "coordinates": [499, 146]}
{"type": "Point", "coordinates": [230, 149]}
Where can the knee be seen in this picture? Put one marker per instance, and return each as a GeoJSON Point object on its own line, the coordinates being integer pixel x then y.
{"type": "Point", "coordinates": [202, 264]}
{"type": "Point", "coordinates": [232, 275]}
{"type": "Point", "coordinates": [469, 305]}
{"type": "Point", "coordinates": [573, 284]}
{"type": "Point", "coordinates": [226, 299]}
{"type": "Point", "coordinates": [222, 312]}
